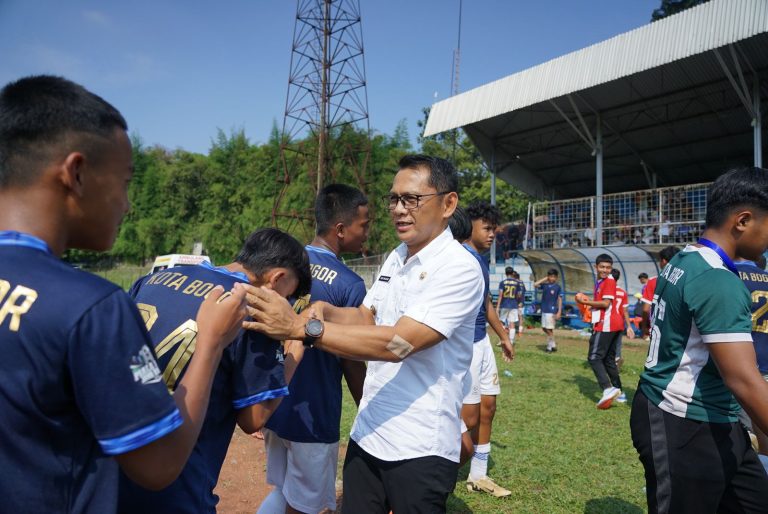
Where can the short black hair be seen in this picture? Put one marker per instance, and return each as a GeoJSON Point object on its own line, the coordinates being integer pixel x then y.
{"type": "Point", "coordinates": [616, 274]}
{"type": "Point", "coordinates": [603, 257]}
{"type": "Point", "coordinates": [442, 174]}
{"type": "Point", "coordinates": [509, 270]}
{"type": "Point", "coordinates": [642, 275]}
{"type": "Point", "coordinates": [552, 271]}
{"type": "Point", "coordinates": [516, 274]}
{"type": "Point", "coordinates": [39, 112]}
{"type": "Point", "coordinates": [460, 224]}
{"type": "Point", "coordinates": [668, 252]}
{"type": "Point", "coordinates": [740, 187]}
{"type": "Point", "coordinates": [481, 210]}
{"type": "Point", "coordinates": [269, 248]}
{"type": "Point", "coordinates": [337, 203]}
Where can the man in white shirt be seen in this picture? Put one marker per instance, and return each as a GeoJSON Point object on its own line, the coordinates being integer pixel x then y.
{"type": "Point", "coordinates": [404, 448]}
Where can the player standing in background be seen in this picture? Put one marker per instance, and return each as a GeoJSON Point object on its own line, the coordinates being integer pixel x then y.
{"type": "Point", "coordinates": [640, 306]}
{"type": "Point", "coordinates": [520, 302]}
{"type": "Point", "coordinates": [755, 277]}
{"type": "Point", "coordinates": [608, 325]}
{"type": "Point", "coordinates": [250, 380]}
{"type": "Point", "coordinates": [302, 437]}
{"type": "Point", "coordinates": [479, 406]}
{"type": "Point", "coordinates": [507, 306]}
{"type": "Point", "coordinates": [697, 456]}
{"type": "Point", "coordinates": [551, 306]}
{"type": "Point", "coordinates": [665, 255]}
{"type": "Point", "coordinates": [621, 306]}
{"type": "Point", "coordinates": [80, 381]}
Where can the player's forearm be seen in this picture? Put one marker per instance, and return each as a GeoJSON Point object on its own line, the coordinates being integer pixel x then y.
{"type": "Point", "coordinates": [603, 304]}
{"type": "Point", "coordinates": [364, 342]}
{"type": "Point", "coordinates": [253, 418]}
{"type": "Point", "coordinates": [751, 390]}
{"type": "Point", "coordinates": [344, 315]}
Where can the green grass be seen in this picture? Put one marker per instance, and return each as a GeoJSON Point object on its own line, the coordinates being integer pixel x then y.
{"type": "Point", "coordinates": [550, 445]}
{"type": "Point", "coordinates": [123, 276]}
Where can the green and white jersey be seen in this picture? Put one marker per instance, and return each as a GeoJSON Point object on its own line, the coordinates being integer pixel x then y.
{"type": "Point", "coordinates": [697, 301]}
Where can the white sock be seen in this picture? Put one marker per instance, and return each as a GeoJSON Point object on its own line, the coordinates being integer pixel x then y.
{"type": "Point", "coordinates": [274, 503]}
{"type": "Point", "coordinates": [479, 466]}
{"type": "Point", "coordinates": [512, 334]}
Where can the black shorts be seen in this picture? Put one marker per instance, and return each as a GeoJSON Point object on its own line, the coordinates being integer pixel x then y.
{"type": "Point", "coordinates": [694, 466]}
{"type": "Point", "coordinates": [372, 485]}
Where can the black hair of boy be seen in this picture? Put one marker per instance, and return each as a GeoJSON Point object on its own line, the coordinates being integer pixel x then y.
{"type": "Point", "coordinates": [509, 270]}
{"type": "Point", "coordinates": [740, 187]}
{"type": "Point", "coordinates": [270, 248]}
{"type": "Point", "coordinates": [616, 274]}
{"type": "Point", "coordinates": [337, 203]}
{"type": "Point", "coordinates": [39, 114]}
{"type": "Point", "coordinates": [642, 276]}
{"type": "Point", "coordinates": [460, 224]}
{"type": "Point", "coordinates": [552, 271]}
{"type": "Point", "coordinates": [481, 210]}
{"type": "Point", "coordinates": [603, 257]}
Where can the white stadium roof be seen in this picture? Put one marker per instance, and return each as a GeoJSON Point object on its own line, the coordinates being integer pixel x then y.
{"type": "Point", "coordinates": [678, 101]}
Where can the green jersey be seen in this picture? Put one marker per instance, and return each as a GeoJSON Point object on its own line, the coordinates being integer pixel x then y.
{"type": "Point", "coordinates": [697, 301]}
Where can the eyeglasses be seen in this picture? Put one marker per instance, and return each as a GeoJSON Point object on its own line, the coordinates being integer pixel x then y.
{"type": "Point", "coordinates": [409, 201]}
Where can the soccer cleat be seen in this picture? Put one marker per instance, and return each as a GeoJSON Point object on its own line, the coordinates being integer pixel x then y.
{"type": "Point", "coordinates": [622, 398]}
{"type": "Point", "coordinates": [609, 395]}
{"type": "Point", "coordinates": [486, 485]}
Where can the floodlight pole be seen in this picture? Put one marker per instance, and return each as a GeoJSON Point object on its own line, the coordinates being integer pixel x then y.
{"type": "Point", "coordinates": [599, 182]}
{"type": "Point", "coordinates": [757, 123]}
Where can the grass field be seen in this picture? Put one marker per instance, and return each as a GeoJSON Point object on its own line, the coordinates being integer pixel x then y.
{"type": "Point", "coordinates": [550, 445]}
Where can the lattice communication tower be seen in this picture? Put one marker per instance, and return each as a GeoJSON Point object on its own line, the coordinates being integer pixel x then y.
{"type": "Point", "coordinates": [326, 128]}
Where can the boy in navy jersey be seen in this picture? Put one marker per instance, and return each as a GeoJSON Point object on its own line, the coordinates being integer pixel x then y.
{"type": "Point", "coordinates": [551, 306]}
{"type": "Point", "coordinates": [302, 437]}
{"type": "Point", "coordinates": [755, 277]}
{"type": "Point", "coordinates": [250, 380]}
{"type": "Point", "coordinates": [80, 381]}
{"type": "Point", "coordinates": [508, 306]}
{"type": "Point", "coordinates": [479, 406]}
{"type": "Point", "coordinates": [701, 360]}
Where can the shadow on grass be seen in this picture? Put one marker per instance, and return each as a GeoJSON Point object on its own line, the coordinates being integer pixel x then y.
{"type": "Point", "coordinates": [609, 505]}
{"type": "Point", "coordinates": [587, 387]}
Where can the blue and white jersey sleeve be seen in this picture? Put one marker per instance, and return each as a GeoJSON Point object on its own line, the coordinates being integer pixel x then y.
{"type": "Point", "coordinates": [258, 371]}
{"type": "Point", "coordinates": [117, 383]}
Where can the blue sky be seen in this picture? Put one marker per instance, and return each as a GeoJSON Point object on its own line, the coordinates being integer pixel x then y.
{"type": "Point", "coordinates": [179, 71]}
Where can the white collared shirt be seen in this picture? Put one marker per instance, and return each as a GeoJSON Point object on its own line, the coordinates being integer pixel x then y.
{"type": "Point", "coordinates": [412, 408]}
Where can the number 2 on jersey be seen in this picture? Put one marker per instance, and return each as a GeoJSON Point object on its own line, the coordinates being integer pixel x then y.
{"type": "Point", "coordinates": [183, 337]}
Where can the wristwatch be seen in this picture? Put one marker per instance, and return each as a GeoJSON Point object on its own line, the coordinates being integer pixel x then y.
{"type": "Point", "coordinates": [313, 329]}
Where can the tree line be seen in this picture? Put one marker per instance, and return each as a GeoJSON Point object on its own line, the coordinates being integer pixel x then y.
{"type": "Point", "coordinates": [180, 197]}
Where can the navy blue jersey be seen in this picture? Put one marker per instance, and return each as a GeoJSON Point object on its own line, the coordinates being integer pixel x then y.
{"type": "Point", "coordinates": [79, 383]}
{"type": "Point", "coordinates": [312, 412]}
{"type": "Point", "coordinates": [510, 291]}
{"type": "Point", "coordinates": [480, 331]}
{"type": "Point", "coordinates": [756, 281]}
{"type": "Point", "coordinates": [250, 372]}
{"type": "Point", "coordinates": [549, 295]}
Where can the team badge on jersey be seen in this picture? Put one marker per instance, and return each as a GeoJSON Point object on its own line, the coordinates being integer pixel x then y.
{"type": "Point", "coordinates": [144, 367]}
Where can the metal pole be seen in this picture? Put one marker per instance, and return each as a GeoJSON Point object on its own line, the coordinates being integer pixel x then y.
{"type": "Point", "coordinates": [599, 181]}
{"type": "Point", "coordinates": [757, 123]}
{"type": "Point", "coordinates": [493, 199]}
{"type": "Point", "coordinates": [322, 139]}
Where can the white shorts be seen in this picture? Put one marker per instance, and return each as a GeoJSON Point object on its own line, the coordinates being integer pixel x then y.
{"type": "Point", "coordinates": [483, 372]}
{"type": "Point", "coordinates": [304, 472]}
{"type": "Point", "coordinates": [548, 321]}
{"type": "Point", "coordinates": [509, 316]}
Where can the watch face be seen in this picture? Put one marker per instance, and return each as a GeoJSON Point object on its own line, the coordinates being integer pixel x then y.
{"type": "Point", "coordinates": [314, 328]}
